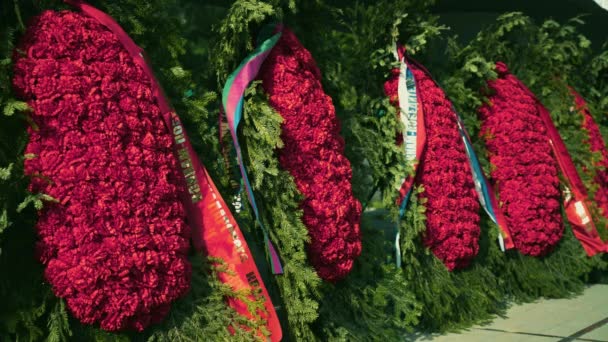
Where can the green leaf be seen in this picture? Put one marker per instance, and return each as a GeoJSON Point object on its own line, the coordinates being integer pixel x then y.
{"type": "Point", "coordinates": [4, 223]}
{"type": "Point", "coordinates": [5, 172]}
{"type": "Point", "coordinates": [13, 106]}
{"type": "Point", "coordinates": [179, 72]}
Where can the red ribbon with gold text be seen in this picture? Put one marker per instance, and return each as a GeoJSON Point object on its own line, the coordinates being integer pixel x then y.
{"type": "Point", "coordinates": [214, 228]}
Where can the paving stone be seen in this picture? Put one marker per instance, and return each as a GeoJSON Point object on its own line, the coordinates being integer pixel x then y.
{"type": "Point", "coordinates": [600, 333]}
{"type": "Point", "coordinates": [544, 320]}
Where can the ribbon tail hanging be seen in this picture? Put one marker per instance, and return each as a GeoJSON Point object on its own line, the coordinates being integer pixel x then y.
{"type": "Point", "coordinates": [411, 116]}
{"type": "Point", "coordinates": [486, 196]}
{"type": "Point", "coordinates": [232, 100]}
{"type": "Point", "coordinates": [575, 195]}
{"type": "Point", "coordinates": [402, 209]}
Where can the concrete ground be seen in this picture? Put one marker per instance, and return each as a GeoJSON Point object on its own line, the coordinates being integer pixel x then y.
{"type": "Point", "coordinates": [582, 318]}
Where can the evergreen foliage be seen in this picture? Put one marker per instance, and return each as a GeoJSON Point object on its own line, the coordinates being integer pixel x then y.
{"type": "Point", "coordinates": [595, 88]}
{"type": "Point", "coordinates": [546, 58]}
{"type": "Point", "coordinates": [452, 300]}
{"type": "Point", "coordinates": [278, 199]}
{"type": "Point", "coordinates": [30, 311]}
{"type": "Point", "coordinates": [194, 45]}
{"type": "Point", "coordinates": [443, 299]}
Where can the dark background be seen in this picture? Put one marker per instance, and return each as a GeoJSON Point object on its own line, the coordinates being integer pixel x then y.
{"type": "Point", "coordinates": [467, 17]}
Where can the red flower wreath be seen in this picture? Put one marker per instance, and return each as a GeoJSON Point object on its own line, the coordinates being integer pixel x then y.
{"type": "Point", "coordinates": [596, 144]}
{"type": "Point", "coordinates": [524, 170]}
{"type": "Point", "coordinates": [314, 155]}
{"type": "Point", "coordinates": [115, 243]}
{"type": "Point", "coordinates": [452, 208]}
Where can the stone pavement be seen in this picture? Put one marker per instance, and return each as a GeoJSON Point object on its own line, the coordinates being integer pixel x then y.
{"type": "Point", "coordinates": [582, 318]}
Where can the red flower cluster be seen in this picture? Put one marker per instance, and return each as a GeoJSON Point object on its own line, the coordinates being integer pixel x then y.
{"type": "Point", "coordinates": [596, 144]}
{"type": "Point", "coordinates": [452, 208]}
{"type": "Point", "coordinates": [313, 154]}
{"type": "Point", "coordinates": [524, 170]}
{"type": "Point", "coordinates": [115, 245]}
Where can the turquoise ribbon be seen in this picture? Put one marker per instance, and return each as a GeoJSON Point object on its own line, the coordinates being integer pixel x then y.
{"type": "Point", "coordinates": [402, 209]}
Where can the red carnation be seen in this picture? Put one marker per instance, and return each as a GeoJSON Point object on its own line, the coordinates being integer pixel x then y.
{"type": "Point", "coordinates": [314, 155]}
{"type": "Point", "coordinates": [596, 144]}
{"type": "Point", "coordinates": [115, 244]}
{"type": "Point", "coordinates": [452, 208]}
{"type": "Point", "coordinates": [524, 170]}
